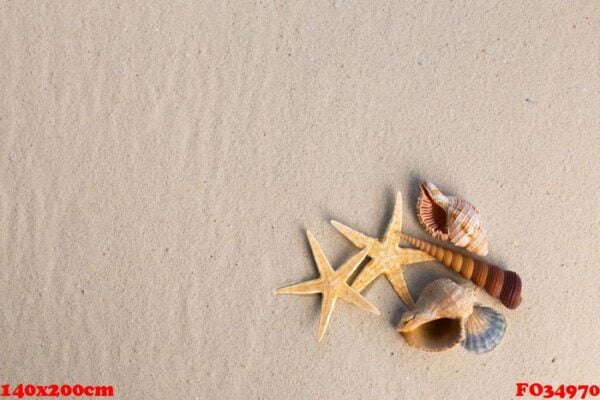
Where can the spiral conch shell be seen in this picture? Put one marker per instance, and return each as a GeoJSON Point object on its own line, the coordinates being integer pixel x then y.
{"type": "Point", "coordinates": [445, 315]}
{"type": "Point", "coordinates": [451, 218]}
{"type": "Point", "coordinates": [501, 284]}
{"type": "Point", "coordinates": [438, 320]}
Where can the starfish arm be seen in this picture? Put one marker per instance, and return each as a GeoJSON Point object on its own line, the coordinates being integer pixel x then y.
{"type": "Point", "coordinates": [322, 263]}
{"type": "Point", "coordinates": [412, 256]}
{"type": "Point", "coordinates": [398, 282]}
{"type": "Point", "coordinates": [327, 306]}
{"type": "Point", "coordinates": [395, 226]}
{"type": "Point", "coordinates": [350, 266]}
{"type": "Point", "coordinates": [352, 296]}
{"type": "Point", "coordinates": [359, 240]}
{"type": "Point", "coordinates": [308, 287]}
{"type": "Point", "coordinates": [369, 273]}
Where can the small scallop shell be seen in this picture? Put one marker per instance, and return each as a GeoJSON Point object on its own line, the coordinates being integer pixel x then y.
{"type": "Point", "coordinates": [484, 330]}
{"type": "Point", "coordinates": [501, 284]}
{"type": "Point", "coordinates": [439, 317]}
{"type": "Point", "coordinates": [451, 218]}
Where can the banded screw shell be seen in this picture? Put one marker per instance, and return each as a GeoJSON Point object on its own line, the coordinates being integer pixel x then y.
{"type": "Point", "coordinates": [501, 284]}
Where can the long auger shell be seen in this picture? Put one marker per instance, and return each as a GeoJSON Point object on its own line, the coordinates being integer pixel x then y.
{"type": "Point", "coordinates": [501, 284]}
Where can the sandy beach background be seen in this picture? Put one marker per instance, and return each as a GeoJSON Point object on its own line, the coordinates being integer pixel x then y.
{"type": "Point", "coordinates": [160, 162]}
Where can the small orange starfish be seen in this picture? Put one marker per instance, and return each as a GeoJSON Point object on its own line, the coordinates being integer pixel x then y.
{"type": "Point", "coordinates": [387, 257]}
{"type": "Point", "coordinates": [331, 284]}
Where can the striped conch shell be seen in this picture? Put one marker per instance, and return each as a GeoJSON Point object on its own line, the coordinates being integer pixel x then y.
{"type": "Point", "coordinates": [451, 218]}
{"type": "Point", "coordinates": [445, 315]}
{"type": "Point", "coordinates": [501, 284]}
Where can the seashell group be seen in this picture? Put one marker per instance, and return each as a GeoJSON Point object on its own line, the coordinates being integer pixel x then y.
{"type": "Point", "coordinates": [501, 284]}
{"type": "Point", "coordinates": [445, 315]}
{"type": "Point", "coordinates": [451, 218]}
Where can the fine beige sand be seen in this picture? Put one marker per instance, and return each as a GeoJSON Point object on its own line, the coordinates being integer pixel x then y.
{"type": "Point", "coordinates": [160, 162]}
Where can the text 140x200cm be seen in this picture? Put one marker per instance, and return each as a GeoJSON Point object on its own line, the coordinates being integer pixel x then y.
{"type": "Point", "coordinates": [28, 390]}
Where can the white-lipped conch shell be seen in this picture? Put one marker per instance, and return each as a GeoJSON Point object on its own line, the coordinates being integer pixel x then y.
{"type": "Point", "coordinates": [451, 218]}
{"type": "Point", "coordinates": [438, 319]}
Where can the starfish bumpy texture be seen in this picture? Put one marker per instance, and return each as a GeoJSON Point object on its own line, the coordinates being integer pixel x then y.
{"type": "Point", "coordinates": [331, 284]}
{"type": "Point", "coordinates": [387, 257]}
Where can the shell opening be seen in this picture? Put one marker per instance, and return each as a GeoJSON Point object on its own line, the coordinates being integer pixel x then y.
{"type": "Point", "coordinates": [432, 215]}
{"type": "Point", "coordinates": [435, 335]}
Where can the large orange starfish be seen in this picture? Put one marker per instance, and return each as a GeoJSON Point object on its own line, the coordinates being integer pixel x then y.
{"type": "Point", "coordinates": [331, 284]}
{"type": "Point", "coordinates": [387, 257]}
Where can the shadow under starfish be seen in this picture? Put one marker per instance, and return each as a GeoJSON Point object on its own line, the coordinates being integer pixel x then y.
{"type": "Point", "coordinates": [387, 257]}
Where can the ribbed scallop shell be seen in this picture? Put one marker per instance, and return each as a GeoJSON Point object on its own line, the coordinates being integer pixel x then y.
{"type": "Point", "coordinates": [451, 218]}
{"type": "Point", "coordinates": [501, 284]}
{"type": "Point", "coordinates": [438, 319]}
{"type": "Point", "coordinates": [484, 330]}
